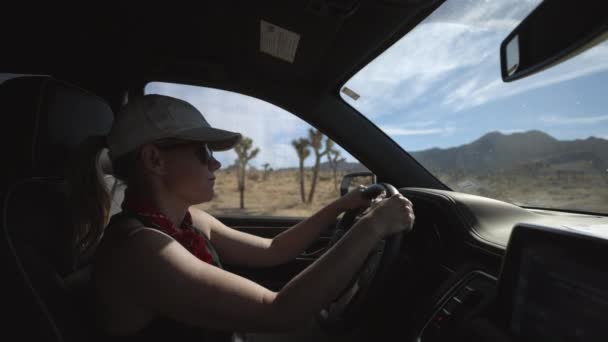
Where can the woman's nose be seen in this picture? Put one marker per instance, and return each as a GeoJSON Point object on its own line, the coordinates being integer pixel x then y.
{"type": "Point", "coordinates": [214, 164]}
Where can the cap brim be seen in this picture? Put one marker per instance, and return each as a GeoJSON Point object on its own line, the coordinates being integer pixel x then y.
{"type": "Point", "coordinates": [217, 139]}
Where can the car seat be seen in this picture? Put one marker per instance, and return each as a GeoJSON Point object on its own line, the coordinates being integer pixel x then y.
{"type": "Point", "coordinates": [46, 288]}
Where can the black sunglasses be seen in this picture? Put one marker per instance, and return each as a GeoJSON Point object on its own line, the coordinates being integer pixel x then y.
{"type": "Point", "coordinates": [204, 153]}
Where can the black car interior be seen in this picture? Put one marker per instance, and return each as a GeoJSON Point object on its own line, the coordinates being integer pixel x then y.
{"type": "Point", "coordinates": [474, 268]}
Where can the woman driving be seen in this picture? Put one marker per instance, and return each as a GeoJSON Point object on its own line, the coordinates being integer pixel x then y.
{"type": "Point", "coordinates": [159, 260]}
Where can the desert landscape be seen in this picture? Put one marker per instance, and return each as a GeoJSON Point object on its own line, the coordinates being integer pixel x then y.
{"type": "Point", "coordinates": [530, 169]}
{"type": "Point", "coordinates": [276, 195]}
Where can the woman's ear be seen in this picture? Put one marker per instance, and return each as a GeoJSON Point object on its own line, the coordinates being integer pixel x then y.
{"type": "Point", "coordinates": [152, 160]}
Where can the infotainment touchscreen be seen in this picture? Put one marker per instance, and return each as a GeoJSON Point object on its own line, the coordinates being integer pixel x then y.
{"type": "Point", "coordinates": [554, 286]}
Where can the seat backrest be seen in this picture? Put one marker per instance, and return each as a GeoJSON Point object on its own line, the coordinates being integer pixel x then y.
{"type": "Point", "coordinates": [46, 293]}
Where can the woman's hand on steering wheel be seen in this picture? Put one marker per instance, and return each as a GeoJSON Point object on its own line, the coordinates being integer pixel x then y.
{"type": "Point", "coordinates": [392, 215]}
{"type": "Point", "coordinates": [356, 199]}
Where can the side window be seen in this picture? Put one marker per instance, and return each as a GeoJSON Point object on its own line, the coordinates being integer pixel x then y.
{"type": "Point", "coordinates": [279, 152]}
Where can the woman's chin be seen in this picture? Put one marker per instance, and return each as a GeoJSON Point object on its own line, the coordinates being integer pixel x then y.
{"type": "Point", "coordinates": [206, 196]}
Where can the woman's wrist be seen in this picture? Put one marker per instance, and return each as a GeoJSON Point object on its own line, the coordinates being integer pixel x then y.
{"type": "Point", "coordinates": [373, 226]}
{"type": "Point", "coordinates": [337, 206]}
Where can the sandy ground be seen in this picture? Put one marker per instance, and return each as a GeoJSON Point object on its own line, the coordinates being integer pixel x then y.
{"type": "Point", "coordinates": [279, 193]}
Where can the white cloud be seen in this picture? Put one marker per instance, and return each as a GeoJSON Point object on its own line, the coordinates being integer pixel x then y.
{"type": "Point", "coordinates": [453, 58]}
{"type": "Point", "coordinates": [493, 88]}
{"type": "Point", "coordinates": [413, 65]}
{"type": "Point", "coordinates": [562, 120]}
{"type": "Point", "coordinates": [402, 131]}
{"type": "Point", "coordinates": [459, 35]}
{"type": "Point", "coordinates": [512, 130]}
{"type": "Point", "coordinates": [489, 14]}
{"type": "Point", "coordinates": [423, 123]}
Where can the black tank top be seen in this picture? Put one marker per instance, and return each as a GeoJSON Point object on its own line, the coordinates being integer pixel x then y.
{"type": "Point", "coordinates": [163, 328]}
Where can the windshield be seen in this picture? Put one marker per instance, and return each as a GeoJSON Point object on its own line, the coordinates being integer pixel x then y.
{"type": "Point", "coordinates": [541, 141]}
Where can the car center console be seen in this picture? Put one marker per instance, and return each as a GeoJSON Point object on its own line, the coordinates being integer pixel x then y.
{"type": "Point", "coordinates": [553, 286]}
{"type": "Point", "coordinates": [464, 300]}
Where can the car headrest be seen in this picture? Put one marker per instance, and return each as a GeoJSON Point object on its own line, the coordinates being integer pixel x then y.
{"type": "Point", "coordinates": [44, 120]}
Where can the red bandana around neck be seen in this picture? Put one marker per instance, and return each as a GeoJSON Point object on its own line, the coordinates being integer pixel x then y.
{"type": "Point", "coordinates": [186, 234]}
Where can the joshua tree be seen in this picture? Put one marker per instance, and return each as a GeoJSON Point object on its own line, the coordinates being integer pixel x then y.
{"type": "Point", "coordinates": [267, 171]}
{"type": "Point", "coordinates": [301, 145]}
{"type": "Point", "coordinates": [315, 138]}
{"type": "Point", "coordinates": [244, 155]}
{"type": "Point", "coordinates": [333, 157]}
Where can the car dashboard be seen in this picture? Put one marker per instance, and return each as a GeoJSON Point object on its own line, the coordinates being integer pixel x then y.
{"type": "Point", "coordinates": [453, 263]}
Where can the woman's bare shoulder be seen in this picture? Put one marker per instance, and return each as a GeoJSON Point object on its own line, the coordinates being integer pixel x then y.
{"type": "Point", "coordinates": [126, 239]}
{"type": "Point", "coordinates": [127, 249]}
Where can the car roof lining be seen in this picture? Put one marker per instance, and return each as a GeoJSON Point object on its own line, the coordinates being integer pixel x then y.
{"type": "Point", "coordinates": [214, 45]}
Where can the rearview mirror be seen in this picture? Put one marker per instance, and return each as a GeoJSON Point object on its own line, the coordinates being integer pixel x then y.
{"type": "Point", "coordinates": [352, 180]}
{"type": "Point", "coordinates": [554, 32]}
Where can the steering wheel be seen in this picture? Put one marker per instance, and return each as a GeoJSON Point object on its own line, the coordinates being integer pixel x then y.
{"type": "Point", "coordinates": [345, 313]}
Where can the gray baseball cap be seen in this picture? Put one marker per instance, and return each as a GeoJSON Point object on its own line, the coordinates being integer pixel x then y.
{"type": "Point", "coordinates": [153, 117]}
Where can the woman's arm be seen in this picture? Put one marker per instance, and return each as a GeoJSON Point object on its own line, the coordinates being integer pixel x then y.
{"type": "Point", "coordinates": [239, 248]}
{"type": "Point", "coordinates": [174, 283]}
{"type": "Point", "coordinates": [292, 242]}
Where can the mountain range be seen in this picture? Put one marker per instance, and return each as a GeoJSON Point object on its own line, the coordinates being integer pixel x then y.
{"type": "Point", "coordinates": [495, 152]}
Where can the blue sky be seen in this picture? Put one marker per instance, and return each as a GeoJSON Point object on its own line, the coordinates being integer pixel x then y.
{"type": "Point", "coordinates": [439, 86]}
